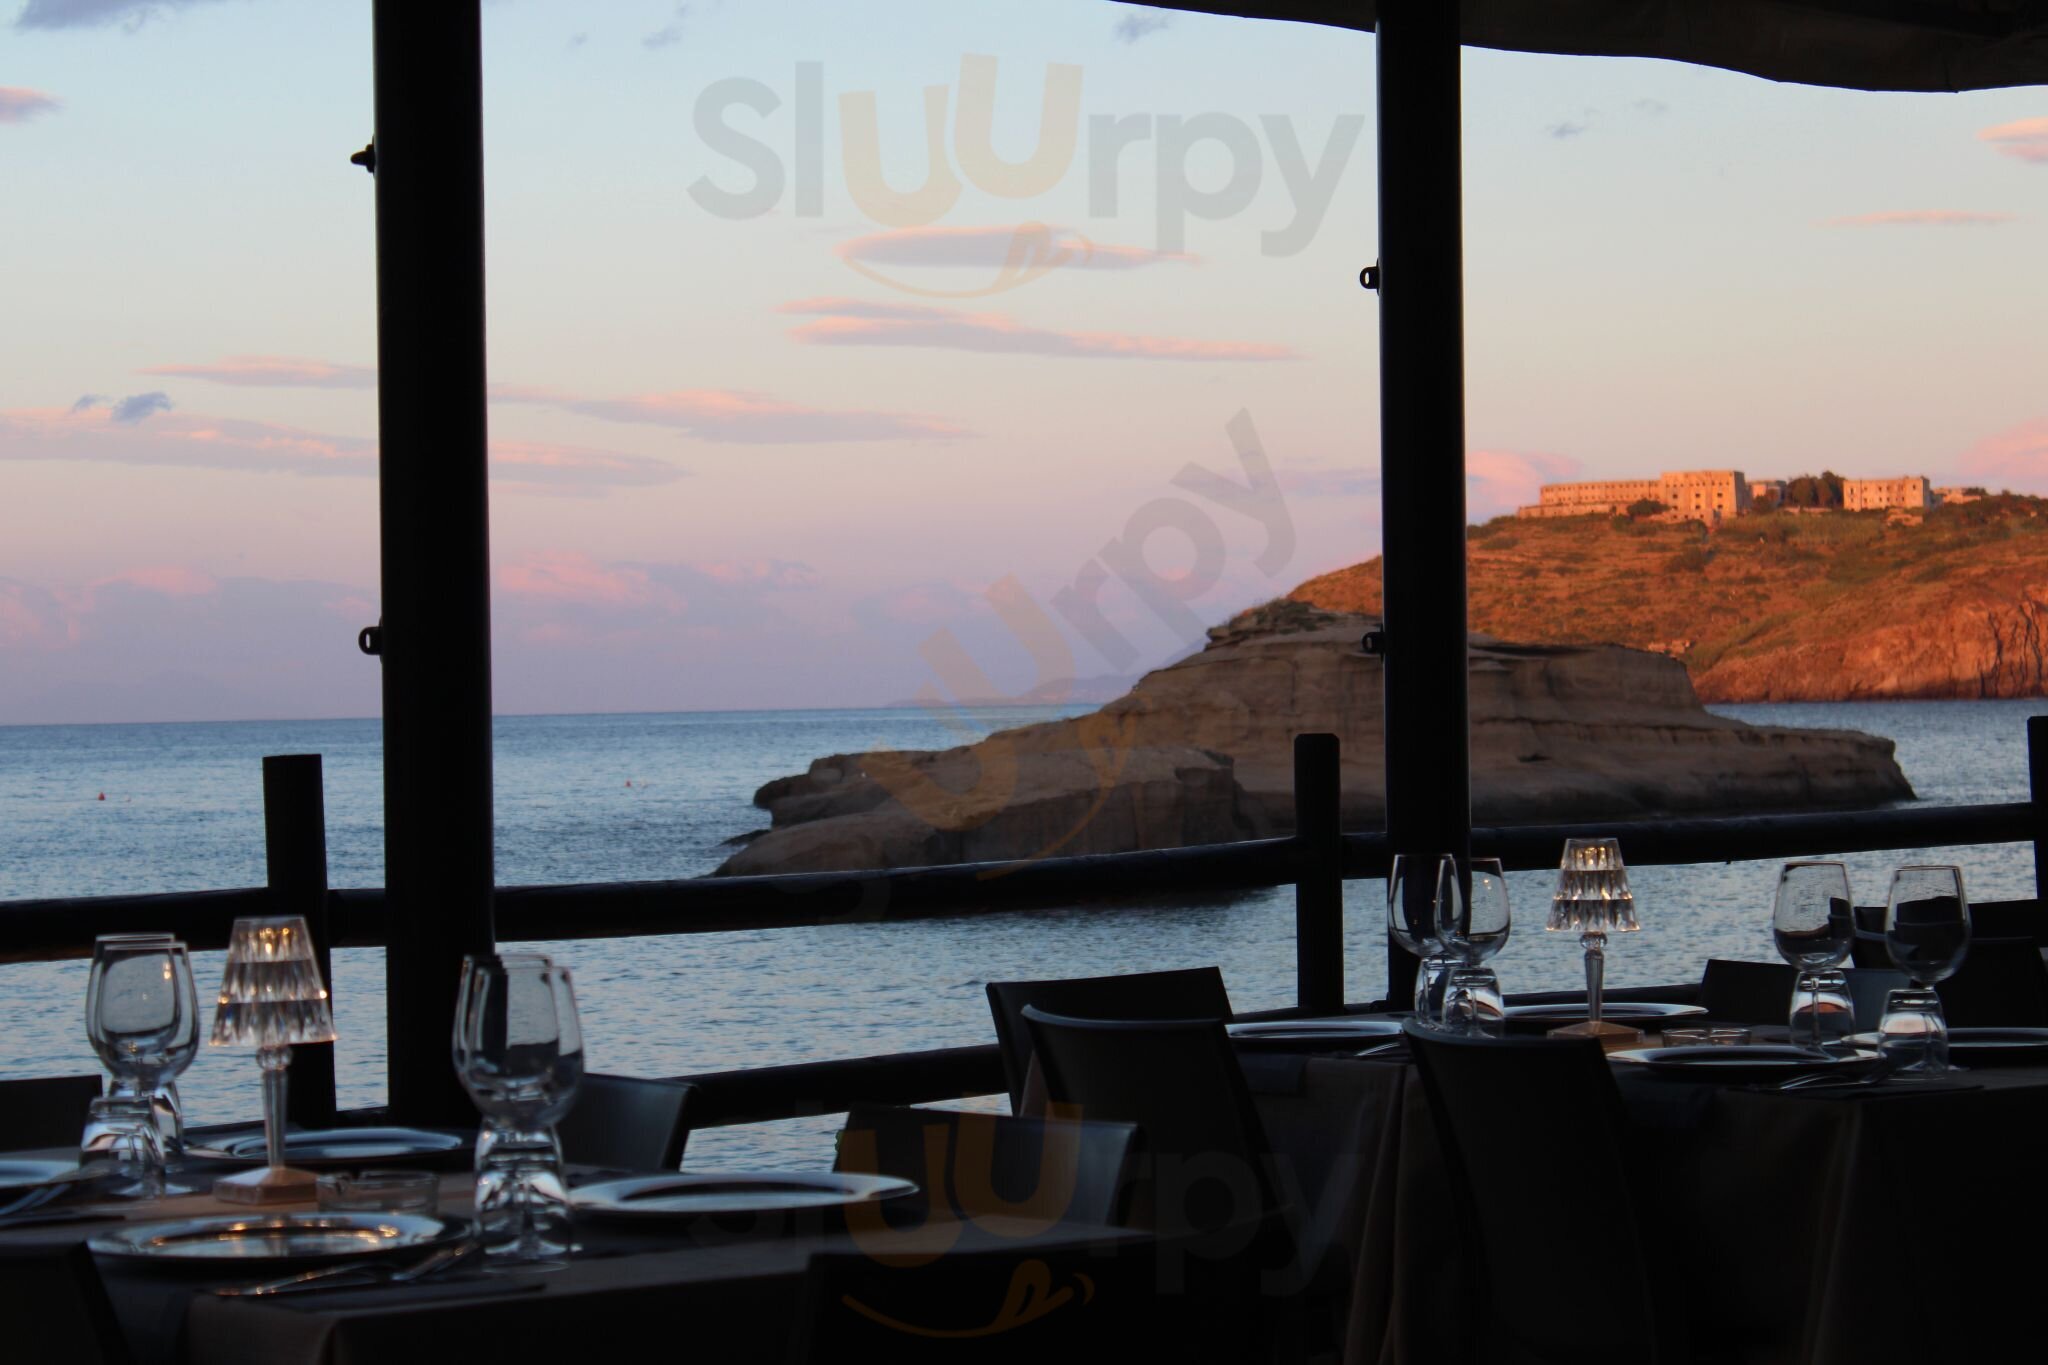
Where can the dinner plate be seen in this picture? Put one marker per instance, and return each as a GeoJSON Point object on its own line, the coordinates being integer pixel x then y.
{"type": "Point", "coordinates": [343, 1147]}
{"type": "Point", "coordinates": [1744, 1062]}
{"type": "Point", "coordinates": [1338, 1031]}
{"type": "Point", "coordinates": [707, 1193]}
{"type": "Point", "coordinates": [1536, 1018]}
{"type": "Point", "coordinates": [17, 1175]}
{"type": "Point", "coordinates": [276, 1239]}
{"type": "Point", "coordinates": [1986, 1046]}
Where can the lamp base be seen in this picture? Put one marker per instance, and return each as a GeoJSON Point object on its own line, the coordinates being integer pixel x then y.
{"type": "Point", "coordinates": [267, 1185]}
{"type": "Point", "coordinates": [1609, 1036]}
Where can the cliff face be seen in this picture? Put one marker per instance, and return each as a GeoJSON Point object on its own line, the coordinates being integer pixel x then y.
{"type": "Point", "coordinates": [1835, 607]}
{"type": "Point", "coordinates": [1202, 751]}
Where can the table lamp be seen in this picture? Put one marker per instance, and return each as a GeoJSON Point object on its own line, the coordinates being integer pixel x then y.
{"type": "Point", "coordinates": [1593, 897]}
{"type": "Point", "coordinates": [271, 996]}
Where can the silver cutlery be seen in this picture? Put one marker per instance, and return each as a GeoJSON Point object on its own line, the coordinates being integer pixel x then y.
{"type": "Point", "coordinates": [345, 1275]}
{"type": "Point", "coordinates": [1814, 1080]}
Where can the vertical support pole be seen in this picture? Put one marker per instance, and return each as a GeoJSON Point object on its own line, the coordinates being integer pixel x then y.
{"type": "Point", "coordinates": [2037, 792]}
{"type": "Point", "coordinates": [1422, 440]}
{"type": "Point", "coordinates": [295, 850]}
{"type": "Point", "coordinates": [1319, 874]}
{"type": "Point", "coordinates": [435, 512]}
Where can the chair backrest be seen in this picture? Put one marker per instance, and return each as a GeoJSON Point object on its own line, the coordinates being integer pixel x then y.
{"type": "Point", "coordinates": [48, 1111]}
{"type": "Point", "coordinates": [1532, 1133]}
{"type": "Point", "coordinates": [56, 1310]}
{"type": "Point", "coordinates": [1189, 993]}
{"type": "Point", "coordinates": [968, 1163]}
{"type": "Point", "coordinates": [1747, 992]}
{"type": "Point", "coordinates": [1868, 989]}
{"type": "Point", "coordinates": [627, 1123]}
{"type": "Point", "coordinates": [2002, 981]}
{"type": "Point", "coordinates": [1205, 1155]}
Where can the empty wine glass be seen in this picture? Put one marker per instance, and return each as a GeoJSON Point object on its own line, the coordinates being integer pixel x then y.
{"type": "Point", "coordinates": [1417, 887]}
{"type": "Point", "coordinates": [1476, 923]}
{"type": "Point", "coordinates": [1810, 921]}
{"type": "Point", "coordinates": [1927, 931]}
{"type": "Point", "coordinates": [139, 1014]}
{"type": "Point", "coordinates": [519, 1052]}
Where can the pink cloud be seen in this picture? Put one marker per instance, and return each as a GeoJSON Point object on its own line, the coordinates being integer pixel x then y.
{"type": "Point", "coordinates": [2017, 455]}
{"type": "Point", "coordinates": [571, 576]}
{"type": "Point", "coordinates": [2025, 139]}
{"type": "Point", "coordinates": [853, 322]}
{"type": "Point", "coordinates": [19, 105]}
{"type": "Point", "coordinates": [1025, 247]}
{"type": "Point", "coordinates": [1921, 218]}
{"type": "Point", "coordinates": [1499, 481]}
{"type": "Point", "coordinates": [756, 419]}
{"type": "Point", "coordinates": [168, 580]}
{"type": "Point", "coordinates": [274, 372]}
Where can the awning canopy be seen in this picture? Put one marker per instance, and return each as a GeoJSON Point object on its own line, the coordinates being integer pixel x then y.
{"type": "Point", "coordinates": [1853, 44]}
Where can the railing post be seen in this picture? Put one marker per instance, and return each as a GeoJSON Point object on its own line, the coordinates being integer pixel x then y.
{"type": "Point", "coordinates": [1319, 874]}
{"type": "Point", "coordinates": [2037, 792]}
{"type": "Point", "coordinates": [295, 847]}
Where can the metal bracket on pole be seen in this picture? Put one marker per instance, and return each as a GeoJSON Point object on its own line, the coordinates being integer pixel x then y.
{"type": "Point", "coordinates": [370, 640]}
{"type": "Point", "coordinates": [366, 158]}
{"type": "Point", "coordinates": [1369, 278]}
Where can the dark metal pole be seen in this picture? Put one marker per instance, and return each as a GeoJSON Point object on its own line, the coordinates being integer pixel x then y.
{"type": "Point", "coordinates": [1422, 441]}
{"type": "Point", "coordinates": [1319, 875]}
{"type": "Point", "coordinates": [295, 850]}
{"type": "Point", "coordinates": [436, 636]}
{"type": "Point", "coordinates": [2037, 792]}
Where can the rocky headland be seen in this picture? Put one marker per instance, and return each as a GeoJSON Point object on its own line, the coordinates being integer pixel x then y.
{"type": "Point", "coordinates": [1202, 752]}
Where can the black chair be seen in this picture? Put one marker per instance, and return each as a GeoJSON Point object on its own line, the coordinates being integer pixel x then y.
{"type": "Point", "coordinates": [2001, 982]}
{"type": "Point", "coordinates": [1868, 989]}
{"type": "Point", "coordinates": [48, 1111]}
{"type": "Point", "coordinates": [1563, 1192]}
{"type": "Point", "coordinates": [1747, 992]}
{"type": "Point", "coordinates": [967, 1164]}
{"type": "Point", "coordinates": [1189, 993]}
{"type": "Point", "coordinates": [628, 1124]}
{"type": "Point", "coordinates": [56, 1310]}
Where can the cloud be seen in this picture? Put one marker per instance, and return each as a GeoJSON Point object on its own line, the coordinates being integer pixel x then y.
{"type": "Point", "coordinates": [668, 35]}
{"type": "Point", "coordinates": [1562, 131]}
{"type": "Point", "coordinates": [1025, 246]}
{"type": "Point", "coordinates": [2018, 455]}
{"type": "Point", "coordinates": [756, 419]}
{"type": "Point", "coordinates": [1649, 108]}
{"type": "Point", "coordinates": [1350, 481]}
{"type": "Point", "coordinates": [853, 322]}
{"type": "Point", "coordinates": [55, 14]}
{"type": "Point", "coordinates": [87, 402]}
{"type": "Point", "coordinates": [560, 597]}
{"type": "Point", "coordinates": [273, 372]}
{"type": "Point", "coordinates": [139, 407]}
{"type": "Point", "coordinates": [2026, 139]}
{"type": "Point", "coordinates": [1921, 218]}
{"type": "Point", "coordinates": [1499, 481]}
{"type": "Point", "coordinates": [96, 435]}
{"type": "Point", "coordinates": [19, 104]}
{"type": "Point", "coordinates": [1141, 24]}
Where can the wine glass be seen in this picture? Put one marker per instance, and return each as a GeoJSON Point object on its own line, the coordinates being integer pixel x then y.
{"type": "Point", "coordinates": [1810, 920]}
{"type": "Point", "coordinates": [519, 1052]}
{"type": "Point", "coordinates": [138, 1015]}
{"type": "Point", "coordinates": [1927, 932]}
{"type": "Point", "coordinates": [1474, 927]}
{"type": "Point", "coordinates": [1416, 911]}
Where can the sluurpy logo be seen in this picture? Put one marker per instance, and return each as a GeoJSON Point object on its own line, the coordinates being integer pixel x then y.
{"type": "Point", "coordinates": [736, 117]}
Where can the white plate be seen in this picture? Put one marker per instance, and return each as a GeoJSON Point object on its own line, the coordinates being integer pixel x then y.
{"type": "Point", "coordinates": [1746, 1062]}
{"type": "Point", "coordinates": [345, 1147]}
{"type": "Point", "coordinates": [707, 1193]}
{"type": "Point", "coordinates": [277, 1239]}
{"type": "Point", "coordinates": [1985, 1046]}
{"type": "Point", "coordinates": [1337, 1031]}
{"type": "Point", "coordinates": [1612, 1011]}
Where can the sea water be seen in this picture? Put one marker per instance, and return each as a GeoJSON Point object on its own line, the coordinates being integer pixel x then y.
{"type": "Point", "coordinates": [105, 809]}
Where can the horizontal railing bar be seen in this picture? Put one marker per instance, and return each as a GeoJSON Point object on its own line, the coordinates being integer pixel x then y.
{"type": "Point", "coordinates": [47, 930]}
{"type": "Point", "coordinates": [767, 1093]}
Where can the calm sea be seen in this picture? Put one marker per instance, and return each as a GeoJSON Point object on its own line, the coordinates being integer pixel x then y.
{"type": "Point", "coordinates": [95, 810]}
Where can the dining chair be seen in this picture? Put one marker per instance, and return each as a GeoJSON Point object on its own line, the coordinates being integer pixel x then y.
{"type": "Point", "coordinates": [48, 1111]}
{"type": "Point", "coordinates": [1735, 992]}
{"type": "Point", "coordinates": [54, 1310]}
{"type": "Point", "coordinates": [970, 1164]}
{"type": "Point", "coordinates": [1532, 1135]}
{"type": "Point", "coordinates": [1869, 987]}
{"type": "Point", "coordinates": [2001, 982]}
{"type": "Point", "coordinates": [1186, 993]}
{"type": "Point", "coordinates": [627, 1123]}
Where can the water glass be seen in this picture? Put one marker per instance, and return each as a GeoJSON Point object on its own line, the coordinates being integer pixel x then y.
{"type": "Point", "coordinates": [141, 1015]}
{"type": "Point", "coordinates": [1472, 1003]}
{"type": "Point", "coordinates": [1927, 932]}
{"type": "Point", "coordinates": [1811, 924]}
{"type": "Point", "coordinates": [1422, 892]}
{"type": "Point", "coordinates": [1823, 1011]}
{"type": "Point", "coordinates": [519, 1051]}
{"type": "Point", "coordinates": [380, 1192]}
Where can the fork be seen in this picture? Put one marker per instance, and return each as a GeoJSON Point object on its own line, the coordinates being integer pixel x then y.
{"type": "Point", "coordinates": [338, 1276]}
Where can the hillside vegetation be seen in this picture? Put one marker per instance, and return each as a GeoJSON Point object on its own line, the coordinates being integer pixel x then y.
{"type": "Point", "coordinates": [1778, 606]}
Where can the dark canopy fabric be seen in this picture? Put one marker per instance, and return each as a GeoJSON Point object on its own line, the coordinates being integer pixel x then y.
{"type": "Point", "coordinates": [1854, 44]}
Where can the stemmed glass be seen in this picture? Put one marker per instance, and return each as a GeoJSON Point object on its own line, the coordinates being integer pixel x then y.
{"type": "Point", "coordinates": [1417, 890]}
{"type": "Point", "coordinates": [141, 1014]}
{"type": "Point", "coordinates": [1927, 931]}
{"type": "Point", "coordinates": [519, 1052]}
{"type": "Point", "coordinates": [1474, 927]}
{"type": "Point", "coordinates": [1810, 920]}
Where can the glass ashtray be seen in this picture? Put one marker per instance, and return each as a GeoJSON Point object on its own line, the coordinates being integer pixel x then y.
{"type": "Point", "coordinates": [380, 1192]}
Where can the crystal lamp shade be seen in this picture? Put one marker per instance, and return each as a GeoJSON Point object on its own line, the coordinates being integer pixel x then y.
{"type": "Point", "coordinates": [271, 994]}
{"type": "Point", "coordinates": [1592, 893]}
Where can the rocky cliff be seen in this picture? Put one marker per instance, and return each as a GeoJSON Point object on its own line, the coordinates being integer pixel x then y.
{"type": "Point", "coordinates": [1201, 752]}
{"type": "Point", "coordinates": [1840, 606]}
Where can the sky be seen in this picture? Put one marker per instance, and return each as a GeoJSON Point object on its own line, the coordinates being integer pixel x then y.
{"type": "Point", "coordinates": [848, 353]}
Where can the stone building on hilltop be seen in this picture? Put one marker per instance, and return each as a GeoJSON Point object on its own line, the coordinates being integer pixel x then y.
{"type": "Point", "coordinates": [1877, 495]}
{"type": "Point", "coordinates": [1694, 495]}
